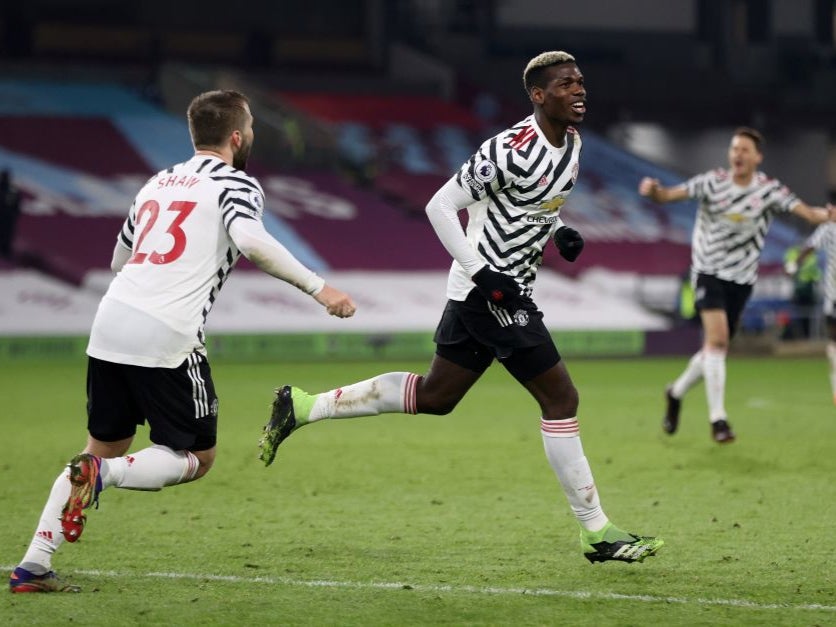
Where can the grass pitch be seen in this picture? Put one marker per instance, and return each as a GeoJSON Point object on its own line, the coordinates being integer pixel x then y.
{"type": "Point", "coordinates": [419, 520]}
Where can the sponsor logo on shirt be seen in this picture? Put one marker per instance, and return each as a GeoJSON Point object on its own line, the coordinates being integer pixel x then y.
{"type": "Point", "coordinates": [736, 217]}
{"type": "Point", "coordinates": [554, 204]}
{"type": "Point", "coordinates": [542, 219]}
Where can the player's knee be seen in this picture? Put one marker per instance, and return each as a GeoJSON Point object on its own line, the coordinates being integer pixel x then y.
{"type": "Point", "coordinates": [205, 461]}
{"type": "Point", "coordinates": [563, 406]}
{"type": "Point", "coordinates": [202, 469]}
{"type": "Point", "coordinates": [436, 404]}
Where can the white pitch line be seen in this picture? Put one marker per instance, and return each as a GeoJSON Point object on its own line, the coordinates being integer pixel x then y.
{"type": "Point", "coordinates": [759, 403]}
{"type": "Point", "coordinates": [435, 588]}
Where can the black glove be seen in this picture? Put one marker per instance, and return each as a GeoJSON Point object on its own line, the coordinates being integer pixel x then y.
{"type": "Point", "coordinates": [569, 242]}
{"type": "Point", "coordinates": [498, 288]}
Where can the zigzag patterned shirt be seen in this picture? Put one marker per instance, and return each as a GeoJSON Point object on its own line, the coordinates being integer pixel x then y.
{"type": "Point", "coordinates": [732, 222]}
{"type": "Point", "coordinates": [519, 182]}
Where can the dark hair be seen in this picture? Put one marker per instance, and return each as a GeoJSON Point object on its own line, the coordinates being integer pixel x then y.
{"type": "Point", "coordinates": [214, 115]}
{"type": "Point", "coordinates": [752, 134]}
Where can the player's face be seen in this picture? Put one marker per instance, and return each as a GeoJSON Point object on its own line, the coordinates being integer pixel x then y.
{"type": "Point", "coordinates": [564, 97]}
{"type": "Point", "coordinates": [744, 156]}
{"type": "Point", "coordinates": [241, 153]}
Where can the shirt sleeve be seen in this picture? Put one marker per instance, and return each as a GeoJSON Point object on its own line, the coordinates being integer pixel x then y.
{"type": "Point", "coordinates": [481, 175]}
{"type": "Point", "coordinates": [241, 200]}
{"type": "Point", "coordinates": [257, 245]}
{"type": "Point", "coordinates": [121, 254]}
{"type": "Point", "coordinates": [697, 185]}
{"type": "Point", "coordinates": [126, 234]}
{"type": "Point", "coordinates": [443, 212]}
{"type": "Point", "coordinates": [783, 198]}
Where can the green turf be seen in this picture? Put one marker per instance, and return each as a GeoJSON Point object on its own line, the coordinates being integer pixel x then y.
{"type": "Point", "coordinates": [402, 520]}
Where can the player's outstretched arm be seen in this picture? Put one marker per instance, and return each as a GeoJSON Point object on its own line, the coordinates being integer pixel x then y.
{"type": "Point", "coordinates": [815, 215]}
{"type": "Point", "coordinates": [257, 245]}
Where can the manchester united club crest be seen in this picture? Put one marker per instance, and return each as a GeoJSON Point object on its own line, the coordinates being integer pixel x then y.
{"type": "Point", "coordinates": [521, 317]}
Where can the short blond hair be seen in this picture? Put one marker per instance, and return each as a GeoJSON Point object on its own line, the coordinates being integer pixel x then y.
{"type": "Point", "coordinates": [532, 76]}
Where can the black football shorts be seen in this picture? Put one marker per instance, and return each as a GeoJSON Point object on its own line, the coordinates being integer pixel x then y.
{"type": "Point", "coordinates": [473, 332]}
{"type": "Point", "coordinates": [179, 404]}
{"type": "Point", "coordinates": [714, 293]}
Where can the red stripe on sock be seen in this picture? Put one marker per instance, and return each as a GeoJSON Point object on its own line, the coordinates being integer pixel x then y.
{"type": "Point", "coordinates": [408, 398]}
{"type": "Point", "coordinates": [409, 401]}
{"type": "Point", "coordinates": [193, 464]}
{"type": "Point", "coordinates": [413, 393]}
{"type": "Point", "coordinates": [560, 428]}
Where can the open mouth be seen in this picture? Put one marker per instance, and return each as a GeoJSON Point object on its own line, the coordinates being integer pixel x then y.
{"type": "Point", "coordinates": [579, 107]}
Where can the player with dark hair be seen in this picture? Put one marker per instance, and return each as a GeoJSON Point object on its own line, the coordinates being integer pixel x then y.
{"type": "Point", "coordinates": [736, 207]}
{"type": "Point", "coordinates": [185, 231]}
{"type": "Point", "coordinates": [513, 189]}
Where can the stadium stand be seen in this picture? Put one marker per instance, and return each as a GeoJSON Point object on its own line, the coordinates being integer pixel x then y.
{"type": "Point", "coordinates": [79, 160]}
{"type": "Point", "coordinates": [411, 145]}
{"type": "Point", "coordinates": [79, 152]}
{"type": "Point", "coordinates": [79, 165]}
{"type": "Point", "coordinates": [401, 96]}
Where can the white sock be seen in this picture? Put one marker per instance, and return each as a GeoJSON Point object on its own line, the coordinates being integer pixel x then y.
{"type": "Point", "coordinates": [715, 383]}
{"type": "Point", "coordinates": [393, 392]}
{"type": "Point", "coordinates": [48, 536]}
{"type": "Point", "coordinates": [151, 468]}
{"type": "Point", "coordinates": [562, 441]}
{"type": "Point", "coordinates": [831, 358]}
{"type": "Point", "coordinates": [690, 376]}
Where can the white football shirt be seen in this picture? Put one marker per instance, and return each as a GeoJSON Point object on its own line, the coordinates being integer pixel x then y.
{"type": "Point", "coordinates": [154, 310]}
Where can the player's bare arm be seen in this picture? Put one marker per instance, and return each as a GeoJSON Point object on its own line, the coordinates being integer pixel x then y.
{"type": "Point", "coordinates": [653, 189]}
{"type": "Point", "coordinates": [815, 215]}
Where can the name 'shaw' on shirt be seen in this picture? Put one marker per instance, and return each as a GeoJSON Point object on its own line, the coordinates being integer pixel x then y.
{"type": "Point", "coordinates": [178, 181]}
